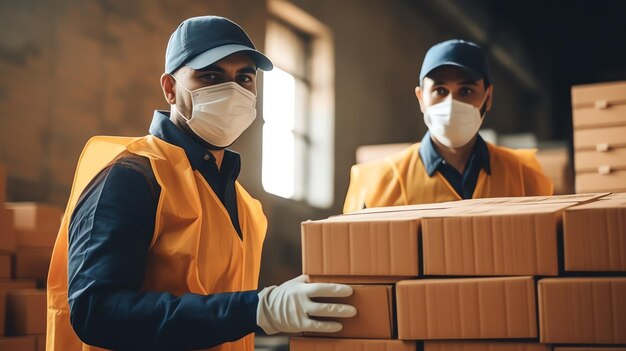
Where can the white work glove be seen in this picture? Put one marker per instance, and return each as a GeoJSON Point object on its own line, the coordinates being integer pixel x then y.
{"type": "Point", "coordinates": [287, 308]}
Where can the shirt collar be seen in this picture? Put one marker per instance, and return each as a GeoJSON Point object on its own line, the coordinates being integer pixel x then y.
{"type": "Point", "coordinates": [163, 128]}
{"type": "Point", "coordinates": [431, 158]}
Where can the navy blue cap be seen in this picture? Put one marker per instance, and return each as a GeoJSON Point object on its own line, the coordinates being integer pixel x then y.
{"type": "Point", "coordinates": [201, 41]}
{"type": "Point", "coordinates": [467, 55]}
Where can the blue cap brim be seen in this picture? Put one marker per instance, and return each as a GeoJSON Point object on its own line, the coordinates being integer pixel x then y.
{"type": "Point", "coordinates": [475, 76]}
{"type": "Point", "coordinates": [213, 55]}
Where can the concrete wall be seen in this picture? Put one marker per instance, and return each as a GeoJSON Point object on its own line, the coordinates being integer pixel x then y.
{"type": "Point", "coordinates": [72, 69]}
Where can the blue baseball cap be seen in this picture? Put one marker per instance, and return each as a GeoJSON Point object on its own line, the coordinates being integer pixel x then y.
{"type": "Point", "coordinates": [464, 54]}
{"type": "Point", "coordinates": [201, 41]}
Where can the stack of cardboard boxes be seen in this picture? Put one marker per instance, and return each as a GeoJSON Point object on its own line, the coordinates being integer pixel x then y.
{"type": "Point", "coordinates": [599, 116]}
{"type": "Point", "coordinates": [527, 273]}
{"type": "Point", "coordinates": [27, 234]}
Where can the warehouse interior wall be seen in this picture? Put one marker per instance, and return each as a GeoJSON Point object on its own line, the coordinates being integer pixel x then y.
{"type": "Point", "coordinates": [73, 69]}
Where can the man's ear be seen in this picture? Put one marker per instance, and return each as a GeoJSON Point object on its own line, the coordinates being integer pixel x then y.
{"type": "Point", "coordinates": [419, 94]}
{"type": "Point", "coordinates": [167, 85]}
{"type": "Point", "coordinates": [490, 101]}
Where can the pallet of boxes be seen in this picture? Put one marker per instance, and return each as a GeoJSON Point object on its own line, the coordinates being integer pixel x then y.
{"type": "Point", "coordinates": [27, 235]}
{"type": "Point", "coordinates": [509, 274]}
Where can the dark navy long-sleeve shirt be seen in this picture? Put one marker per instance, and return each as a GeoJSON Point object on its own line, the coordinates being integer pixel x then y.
{"type": "Point", "coordinates": [464, 184]}
{"type": "Point", "coordinates": [109, 236]}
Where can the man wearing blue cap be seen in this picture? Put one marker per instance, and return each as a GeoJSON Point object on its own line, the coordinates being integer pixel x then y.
{"type": "Point", "coordinates": [452, 162]}
{"type": "Point", "coordinates": [160, 246]}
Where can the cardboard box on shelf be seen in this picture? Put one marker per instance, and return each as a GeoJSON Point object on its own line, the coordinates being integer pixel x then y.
{"type": "Point", "coordinates": [596, 161]}
{"type": "Point", "coordinates": [556, 165]}
{"type": "Point", "coordinates": [26, 312]}
{"type": "Point", "coordinates": [5, 265]}
{"type": "Point", "coordinates": [36, 224]}
{"type": "Point", "coordinates": [5, 286]}
{"type": "Point", "coordinates": [599, 104]}
{"type": "Point", "coordinates": [17, 343]}
{"type": "Point", "coordinates": [582, 310]}
{"type": "Point", "coordinates": [32, 262]}
{"type": "Point", "coordinates": [489, 240]}
{"type": "Point", "coordinates": [594, 236]}
{"type": "Point", "coordinates": [333, 344]}
{"type": "Point", "coordinates": [484, 346]}
{"type": "Point", "coordinates": [587, 348]}
{"type": "Point", "coordinates": [40, 342]}
{"type": "Point", "coordinates": [599, 138]}
{"type": "Point", "coordinates": [611, 180]}
{"type": "Point", "coordinates": [472, 308]}
{"type": "Point", "coordinates": [3, 185]}
{"type": "Point", "coordinates": [588, 94]}
{"type": "Point", "coordinates": [592, 117]}
{"type": "Point", "coordinates": [373, 248]}
{"type": "Point", "coordinates": [3, 311]}
{"type": "Point", "coordinates": [8, 242]}
{"type": "Point", "coordinates": [375, 315]}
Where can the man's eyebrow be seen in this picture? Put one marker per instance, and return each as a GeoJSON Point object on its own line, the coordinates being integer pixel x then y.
{"type": "Point", "coordinates": [248, 69]}
{"type": "Point", "coordinates": [212, 68]}
{"type": "Point", "coordinates": [216, 68]}
{"type": "Point", "coordinates": [465, 82]}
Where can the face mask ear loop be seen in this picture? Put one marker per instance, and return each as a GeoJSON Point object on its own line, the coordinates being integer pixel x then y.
{"type": "Point", "coordinates": [189, 91]}
{"type": "Point", "coordinates": [483, 106]}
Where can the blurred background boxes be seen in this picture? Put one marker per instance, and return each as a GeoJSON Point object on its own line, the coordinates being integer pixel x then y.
{"type": "Point", "coordinates": [599, 120]}
{"type": "Point", "coordinates": [26, 312]}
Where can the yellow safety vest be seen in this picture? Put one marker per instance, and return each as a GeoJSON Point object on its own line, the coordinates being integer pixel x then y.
{"type": "Point", "coordinates": [194, 249]}
{"type": "Point", "coordinates": [402, 179]}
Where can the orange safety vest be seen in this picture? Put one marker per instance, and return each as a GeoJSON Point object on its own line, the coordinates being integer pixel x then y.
{"type": "Point", "coordinates": [402, 179]}
{"type": "Point", "coordinates": [194, 249]}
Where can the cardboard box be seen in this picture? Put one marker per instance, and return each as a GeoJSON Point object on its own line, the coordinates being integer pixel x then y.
{"type": "Point", "coordinates": [32, 262]}
{"type": "Point", "coordinates": [5, 265]}
{"type": "Point", "coordinates": [614, 196]}
{"type": "Point", "coordinates": [599, 138]}
{"type": "Point", "coordinates": [556, 165]}
{"type": "Point", "coordinates": [592, 117]}
{"type": "Point", "coordinates": [582, 310]}
{"type": "Point", "coordinates": [3, 185]}
{"type": "Point", "coordinates": [493, 240]}
{"type": "Point", "coordinates": [614, 180]}
{"type": "Point", "coordinates": [17, 343]}
{"type": "Point", "coordinates": [602, 104]}
{"type": "Point", "coordinates": [594, 236]}
{"type": "Point", "coordinates": [40, 342]}
{"type": "Point", "coordinates": [375, 315]}
{"type": "Point", "coordinates": [8, 242]}
{"type": "Point", "coordinates": [597, 161]}
{"type": "Point", "coordinates": [473, 308]}
{"type": "Point", "coordinates": [36, 224]}
{"type": "Point", "coordinates": [588, 94]}
{"type": "Point", "coordinates": [5, 286]}
{"type": "Point", "coordinates": [361, 249]}
{"type": "Point", "coordinates": [484, 346]}
{"type": "Point", "coordinates": [26, 312]}
{"type": "Point", "coordinates": [332, 344]}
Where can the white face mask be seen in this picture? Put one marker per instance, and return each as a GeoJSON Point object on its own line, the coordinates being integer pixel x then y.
{"type": "Point", "coordinates": [221, 112]}
{"type": "Point", "coordinates": [453, 123]}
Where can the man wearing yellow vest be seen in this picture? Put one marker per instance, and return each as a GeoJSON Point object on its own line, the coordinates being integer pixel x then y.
{"type": "Point", "coordinates": [452, 162]}
{"type": "Point", "coordinates": [160, 246]}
